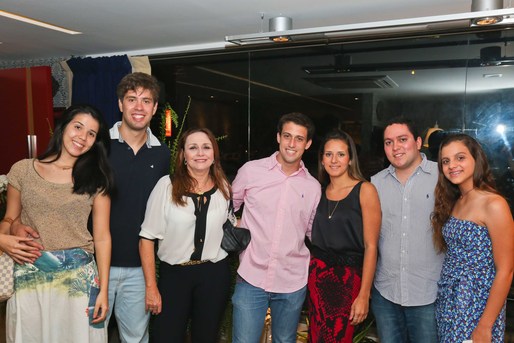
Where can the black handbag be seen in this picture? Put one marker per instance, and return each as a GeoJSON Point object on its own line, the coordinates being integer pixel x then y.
{"type": "Point", "coordinates": [235, 239]}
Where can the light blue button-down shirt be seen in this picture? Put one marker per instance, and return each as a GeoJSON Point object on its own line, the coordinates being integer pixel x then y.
{"type": "Point", "coordinates": [408, 265]}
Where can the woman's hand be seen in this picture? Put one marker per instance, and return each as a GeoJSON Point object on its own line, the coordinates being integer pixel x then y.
{"type": "Point", "coordinates": [482, 334]}
{"type": "Point", "coordinates": [101, 308]}
{"type": "Point", "coordinates": [19, 248]}
{"type": "Point", "coordinates": [359, 310]}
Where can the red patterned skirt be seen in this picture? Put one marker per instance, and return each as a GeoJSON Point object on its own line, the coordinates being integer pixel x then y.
{"type": "Point", "coordinates": [332, 290]}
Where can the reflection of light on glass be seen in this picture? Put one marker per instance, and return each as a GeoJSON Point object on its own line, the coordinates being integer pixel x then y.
{"type": "Point", "coordinates": [500, 128]}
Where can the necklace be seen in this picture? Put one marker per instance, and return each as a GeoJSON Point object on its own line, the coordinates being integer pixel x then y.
{"type": "Point", "coordinates": [333, 210]}
{"type": "Point", "coordinates": [62, 167]}
{"type": "Point", "coordinates": [200, 189]}
{"type": "Point", "coordinates": [334, 189]}
{"type": "Point", "coordinates": [462, 195]}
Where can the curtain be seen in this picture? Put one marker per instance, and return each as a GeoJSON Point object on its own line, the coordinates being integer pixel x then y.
{"type": "Point", "coordinates": [95, 81]}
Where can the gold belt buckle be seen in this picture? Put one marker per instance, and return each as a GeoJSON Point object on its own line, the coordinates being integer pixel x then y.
{"type": "Point", "coordinates": [193, 262]}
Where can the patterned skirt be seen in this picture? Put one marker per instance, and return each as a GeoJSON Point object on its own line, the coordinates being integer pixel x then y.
{"type": "Point", "coordinates": [51, 300]}
{"type": "Point", "coordinates": [332, 290]}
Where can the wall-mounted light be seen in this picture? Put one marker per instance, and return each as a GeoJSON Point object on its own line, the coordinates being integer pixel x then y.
{"type": "Point", "coordinates": [168, 126]}
{"type": "Point", "coordinates": [430, 131]}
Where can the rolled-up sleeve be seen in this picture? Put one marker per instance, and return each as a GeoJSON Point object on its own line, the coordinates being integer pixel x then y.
{"type": "Point", "coordinates": [239, 186]}
{"type": "Point", "coordinates": [154, 224]}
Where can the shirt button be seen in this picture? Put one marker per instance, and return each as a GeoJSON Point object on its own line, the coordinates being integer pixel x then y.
{"type": "Point", "coordinates": [201, 240]}
{"type": "Point", "coordinates": [403, 234]}
{"type": "Point", "coordinates": [404, 217]}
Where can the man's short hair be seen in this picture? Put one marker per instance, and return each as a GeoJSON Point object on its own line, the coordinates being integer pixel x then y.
{"type": "Point", "coordinates": [299, 119]}
{"type": "Point", "coordinates": [403, 121]}
{"type": "Point", "coordinates": [134, 81]}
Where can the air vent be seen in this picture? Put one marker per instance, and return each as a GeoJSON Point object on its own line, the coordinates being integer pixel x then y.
{"type": "Point", "coordinates": [354, 82]}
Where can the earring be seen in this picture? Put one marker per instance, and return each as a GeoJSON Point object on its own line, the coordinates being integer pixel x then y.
{"type": "Point", "coordinates": [185, 162]}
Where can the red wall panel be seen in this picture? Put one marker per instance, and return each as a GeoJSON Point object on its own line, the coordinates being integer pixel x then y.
{"type": "Point", "coordinates": [14, 115]}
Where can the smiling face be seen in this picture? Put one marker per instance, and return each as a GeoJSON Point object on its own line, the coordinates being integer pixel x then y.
{"type": "Point", "coordinates": [79, 135]}
{"type": "Point", "coordinates": [198, 152]}
{"type": "Point", "coordinates": [458, 164]}
{"type": "Point", "coordinates": [401, 147]}
{"type": "Point", "coordinates": [336, 157]}
{"type": "Point", "coordinates": [292, 143]}
{"type": "Point", "coordinates": [138, 108]}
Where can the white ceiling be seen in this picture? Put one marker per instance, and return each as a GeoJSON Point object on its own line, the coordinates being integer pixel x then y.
{"type": "Point", "coordinates": [163, 26]}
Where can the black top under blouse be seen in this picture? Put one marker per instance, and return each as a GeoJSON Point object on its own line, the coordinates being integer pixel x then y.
{"type": "Point", "coordinates": [342, 234]}
{"type": "Point", "coordinates": [201, 202]}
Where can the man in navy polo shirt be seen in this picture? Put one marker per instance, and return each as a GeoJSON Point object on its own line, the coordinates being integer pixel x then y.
{"type": "Point", "coordinates": [138, 161]}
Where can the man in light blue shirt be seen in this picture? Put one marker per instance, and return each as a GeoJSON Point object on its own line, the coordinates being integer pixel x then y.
{"type": "Point", "coordinates": [408, 266]}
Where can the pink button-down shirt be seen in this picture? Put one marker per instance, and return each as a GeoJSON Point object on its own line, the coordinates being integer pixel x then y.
{"type": "Point", "coordinates": [279, 211]}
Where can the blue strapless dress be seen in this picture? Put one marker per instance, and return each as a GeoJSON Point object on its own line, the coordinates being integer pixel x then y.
{"type": "Point", "coordinates": [466, 278]}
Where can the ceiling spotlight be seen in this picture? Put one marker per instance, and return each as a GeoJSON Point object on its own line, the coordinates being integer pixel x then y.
{"type": "Point", "coordinates": [280, 24]}
{"type": "Point", "coordinates": [280, 39]}
{"type": "Point", "coordinates": [486, 5]}
{"type": "Point", "coordinates": [487, 21]}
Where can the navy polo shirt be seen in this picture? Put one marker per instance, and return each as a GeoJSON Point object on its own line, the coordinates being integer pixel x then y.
{"type": "Point", "coordinates": [134, 177]}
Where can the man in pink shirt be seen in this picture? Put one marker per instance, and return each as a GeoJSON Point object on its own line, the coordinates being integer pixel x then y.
{"type": "Point", "coordinates": [280, 198]}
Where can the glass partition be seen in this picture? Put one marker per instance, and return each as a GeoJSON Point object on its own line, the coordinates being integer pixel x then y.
{"type": "Point", "coordinates": [458, 83]}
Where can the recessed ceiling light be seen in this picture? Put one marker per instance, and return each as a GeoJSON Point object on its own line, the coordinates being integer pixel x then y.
{"type": "Point", "coordinates": [488, 76]}
{"type": "Point", "coordinates": [37, 22]}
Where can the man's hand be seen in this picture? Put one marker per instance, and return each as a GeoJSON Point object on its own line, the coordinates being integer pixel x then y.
{"type": "Point", "coordinates": [20, 230]}
{"type": "Point", "coordinates": [19, 249]}
{"type": "Point", "coordinates": [153, 300]}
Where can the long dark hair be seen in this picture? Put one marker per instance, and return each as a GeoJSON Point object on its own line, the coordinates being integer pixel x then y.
{"type": "Point", "coordinates": [183, 182]}
{"type": "Point", "coordinates": [447, 193]}
{"type": "Point", "coordinates": [353, 169]}
{"type": "Point", "coordinates": [91, 171]}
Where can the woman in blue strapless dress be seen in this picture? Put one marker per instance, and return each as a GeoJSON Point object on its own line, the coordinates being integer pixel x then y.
{"type": "Point", "coordinates": [473, 225]}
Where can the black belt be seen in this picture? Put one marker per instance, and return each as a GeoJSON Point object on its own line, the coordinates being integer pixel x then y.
{"type": "Point", "coordinates": [332, 259]}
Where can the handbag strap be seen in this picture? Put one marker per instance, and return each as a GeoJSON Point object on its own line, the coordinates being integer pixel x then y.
{"type": "Point", "coordinates": [231, 205]}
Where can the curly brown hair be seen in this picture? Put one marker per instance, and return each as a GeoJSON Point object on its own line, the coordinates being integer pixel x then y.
{"type": "Point", "coordinates": [447, 193]}
{"type": "Point", "coordinates": [183, 182]}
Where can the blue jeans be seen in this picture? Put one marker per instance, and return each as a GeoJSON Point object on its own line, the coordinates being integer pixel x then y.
{"type": "Point", "coordinates": [403, 324]}
{"type": "Point", "coordinates": [127, 295]}
{"type": "Point", "coordinates": [250, 306]}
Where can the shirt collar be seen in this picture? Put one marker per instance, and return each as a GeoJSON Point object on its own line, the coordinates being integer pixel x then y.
{"type": "Point", "coordinates": [151, 140]}
{"type": "Point", "coordinates": [273, 163]}
{"type": "Point", "coordinates": [424, 166]}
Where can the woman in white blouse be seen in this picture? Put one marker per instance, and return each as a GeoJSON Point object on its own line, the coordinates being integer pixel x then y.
{"type": "Point", "coordinates": [185, 214]}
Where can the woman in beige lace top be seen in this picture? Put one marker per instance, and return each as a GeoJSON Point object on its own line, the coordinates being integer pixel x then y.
{"type": "Point", "coordinates": [60, 292]}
